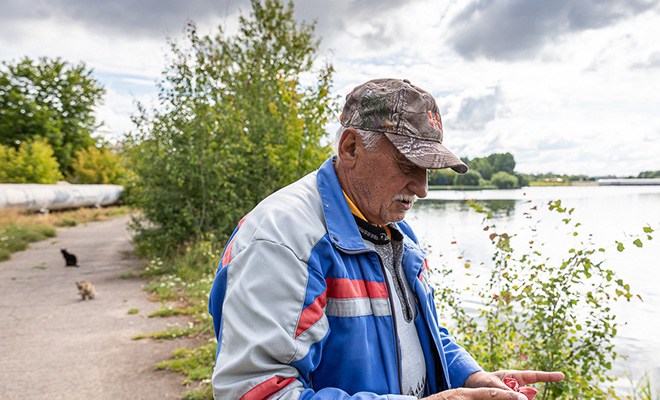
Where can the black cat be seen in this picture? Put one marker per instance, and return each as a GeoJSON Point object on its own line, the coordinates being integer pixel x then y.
{"type": "Point", "coordinates": [71, 260]}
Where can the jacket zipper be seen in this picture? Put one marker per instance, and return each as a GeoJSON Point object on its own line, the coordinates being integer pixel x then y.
{"type": "Point", "coordinates": [393, 314]}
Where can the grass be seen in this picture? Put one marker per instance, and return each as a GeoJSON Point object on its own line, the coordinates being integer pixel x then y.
{"type": "Point", "coordinates": [197, 365]}
{"type": "Point", "coordinates": [127, 275]}
{"type": "Point", "coordinates": [185, 280]}
{"type": "Point", "coordinates": [15, 238]}
{"type": "Point", "coordinates": [18, 228]}
{"type": "Point", "coordinates": [549, 183]}
{"type": "Point", "coordinates": [642, 389]}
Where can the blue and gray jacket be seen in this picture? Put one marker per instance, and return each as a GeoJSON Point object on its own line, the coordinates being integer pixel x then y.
{"type": "Point", "coordinates": [301, 308]}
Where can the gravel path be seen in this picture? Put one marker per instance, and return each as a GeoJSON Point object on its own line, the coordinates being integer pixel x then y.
{"type": "Point", "coordinates": [54, 345]}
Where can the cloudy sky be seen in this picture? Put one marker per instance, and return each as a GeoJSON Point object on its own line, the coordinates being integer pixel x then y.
{"type": "Point", "coordinates": [566, 86]}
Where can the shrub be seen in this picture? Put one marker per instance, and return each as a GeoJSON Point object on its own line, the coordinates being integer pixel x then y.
{"type": "Point", "coordinates": [504, 180]}
{"type": "Point", "coordinates": [543, 313]}
{"type": "Point", "coordinates": [441, 177]}
{"type": "Point", "coordinates": [93, 165]}
{"type": "Point", "coordinates": [470, 178]}
{"type": "Point", "coordinates": [33, 162]}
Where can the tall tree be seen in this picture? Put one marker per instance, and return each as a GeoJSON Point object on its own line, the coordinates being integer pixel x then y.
{"type": "Point", "coordinates": [49, 99]}
{"type": "Point", "coordinates": [502, 162]}
{"type": "Point", "coordinates": [234, 124]}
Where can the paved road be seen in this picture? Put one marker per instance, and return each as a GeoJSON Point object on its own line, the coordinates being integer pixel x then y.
{"type": "Point", "coordinates": [54, 345]}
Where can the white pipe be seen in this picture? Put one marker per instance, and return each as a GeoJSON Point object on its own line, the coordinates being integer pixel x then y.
{"type": "Point", "coordinates": [35, 196]}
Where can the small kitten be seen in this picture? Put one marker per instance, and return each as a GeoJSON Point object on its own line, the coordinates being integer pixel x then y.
{"type": "Point", "coordinates": [86, 290]}
{"type": "Point", "coordinates": [71, 260]}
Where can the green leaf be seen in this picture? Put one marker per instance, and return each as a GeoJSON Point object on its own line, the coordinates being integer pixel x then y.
{"type": "Point", "coordinates": [619, 246]}
{"type": "Point", "coordinates": [648, 229]}
{"type": "Point", "coordinates": [638, 243]}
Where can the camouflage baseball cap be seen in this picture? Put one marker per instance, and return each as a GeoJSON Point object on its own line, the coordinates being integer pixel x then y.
{"type": "Point", "coordinates": [407, 115]}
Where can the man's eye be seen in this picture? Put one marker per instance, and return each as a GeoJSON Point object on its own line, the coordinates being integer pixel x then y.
{"type": "Point", "coordinates": [407, 168]}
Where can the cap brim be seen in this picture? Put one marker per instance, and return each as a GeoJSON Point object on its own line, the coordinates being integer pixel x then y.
{"type": "Point", "coordinates": [426, 153]}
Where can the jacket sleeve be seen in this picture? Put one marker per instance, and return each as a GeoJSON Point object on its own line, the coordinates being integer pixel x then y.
{"type": "Point", "coordinates": [460, 363]}
{"type": "Point", "coordinates": [272, 327]}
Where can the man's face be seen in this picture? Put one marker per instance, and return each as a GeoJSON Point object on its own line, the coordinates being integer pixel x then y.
{"type": "Point", "coordinates": [386, 184]}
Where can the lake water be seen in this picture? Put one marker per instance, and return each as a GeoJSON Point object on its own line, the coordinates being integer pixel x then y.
{"type": "Point", "coordinates": [450, 229]}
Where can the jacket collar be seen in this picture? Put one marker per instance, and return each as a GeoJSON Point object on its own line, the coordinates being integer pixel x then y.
{"type": "Point", "coordinates": [342, 229]}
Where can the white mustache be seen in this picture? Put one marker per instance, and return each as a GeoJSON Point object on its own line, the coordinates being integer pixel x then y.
{"type": "Point", "coordinates": [406, 198]}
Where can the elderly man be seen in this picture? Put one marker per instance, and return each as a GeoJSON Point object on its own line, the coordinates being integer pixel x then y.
{"type": "Point", "coordinates": [323, 291]}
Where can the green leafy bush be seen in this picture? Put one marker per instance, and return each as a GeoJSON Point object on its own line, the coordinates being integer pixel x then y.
{"type": "Point", "coordinates": [94, 165]}
{"type": "Point", "coordinates": [543, 313]}
{"type": "Point", "coordinates": [504, 180]}
{"type": "Point", "coordinates": [441, 177]}
{"type": "Point", "coordinates": [33, 162]}
{"type": "Point", "coordinates": [470, 178]}
{"type": "Point", "coordinates": [234, 124]}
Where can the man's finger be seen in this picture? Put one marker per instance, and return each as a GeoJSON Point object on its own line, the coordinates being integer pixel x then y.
{"type": "Point", "coordinates": [528, 377]}
{"type": "Point", "coordinates": [496, 394]}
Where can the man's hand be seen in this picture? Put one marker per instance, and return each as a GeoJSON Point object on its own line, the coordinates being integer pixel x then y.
{"type": "Point", "coordinates": [489, 386]}
{"type": "Point", "coordinates": [477, 394]}
{"type": "Point", "coordinates": [494, 379]}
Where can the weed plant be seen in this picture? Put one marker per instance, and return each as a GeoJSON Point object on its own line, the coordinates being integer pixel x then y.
{"type": "Point", "coordinates": [643, 388]}
{"type": "Point", "coordinates": [541, 312]}
{"type": "Point", "coordinates": [184, 280]}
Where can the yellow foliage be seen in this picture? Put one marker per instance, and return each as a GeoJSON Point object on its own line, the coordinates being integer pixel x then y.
{"type": "Point", "coordinates": [101, 166]}
{"type": "Point", "coordinates": [33, 162]}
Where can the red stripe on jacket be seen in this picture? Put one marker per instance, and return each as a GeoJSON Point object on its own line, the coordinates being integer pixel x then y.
{"type": "Point", "coordinates": [339, 288]}
{"type": "Point", "coordinates": [426, 267]}
{"type": "Point", "coordinates": [342, 288]}
{"type": "Point", "coordinates": [266, 389]}
{"type": "Point", "coordinates": [311, 314]}
{"type": "Point", "coordinates": [226, 257]}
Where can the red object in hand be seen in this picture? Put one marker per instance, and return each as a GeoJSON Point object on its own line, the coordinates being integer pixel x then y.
{"type": "Point", "coordinates": [530, 392]}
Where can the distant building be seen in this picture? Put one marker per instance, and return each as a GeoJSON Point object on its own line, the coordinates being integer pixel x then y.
{"type": "Point", "coordinates": [628, 182]}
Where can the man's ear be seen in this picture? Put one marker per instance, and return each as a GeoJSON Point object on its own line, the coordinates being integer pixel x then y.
{"type": "Point", "coordinates": [347, 146]}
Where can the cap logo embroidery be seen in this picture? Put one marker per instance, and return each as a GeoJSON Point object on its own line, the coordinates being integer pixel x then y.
{"type": "Point", "coordinates": [433, 121]}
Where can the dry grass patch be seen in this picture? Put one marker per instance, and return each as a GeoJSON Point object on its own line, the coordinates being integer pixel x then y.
{"type": "Point", "coordinates": [19, 228]}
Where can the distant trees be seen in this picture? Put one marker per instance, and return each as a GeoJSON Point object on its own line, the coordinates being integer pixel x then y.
{"type": "Point", "coordinates": [496, 169]}
{"type": "Point", "coordinates": [234, 123]}
{"type": "Point", "coordinates": [470, 178]}
{"type": "Point", "coordinates": [649, 174]}
{"type": "Point", "coordinates": [49, 99]}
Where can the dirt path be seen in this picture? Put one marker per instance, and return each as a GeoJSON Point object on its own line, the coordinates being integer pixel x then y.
{"type": "Point", "coordinates": [54, 345]}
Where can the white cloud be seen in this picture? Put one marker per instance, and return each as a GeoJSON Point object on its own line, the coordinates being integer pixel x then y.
{"type": "Point", "coordinates": [572, 90]}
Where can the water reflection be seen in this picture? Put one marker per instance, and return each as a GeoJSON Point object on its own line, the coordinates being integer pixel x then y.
{"type": "Point", "coordinates": [498, 207]}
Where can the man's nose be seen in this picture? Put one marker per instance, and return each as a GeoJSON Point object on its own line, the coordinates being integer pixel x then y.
{"type": "Point", "coordinates": [419, 183]}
